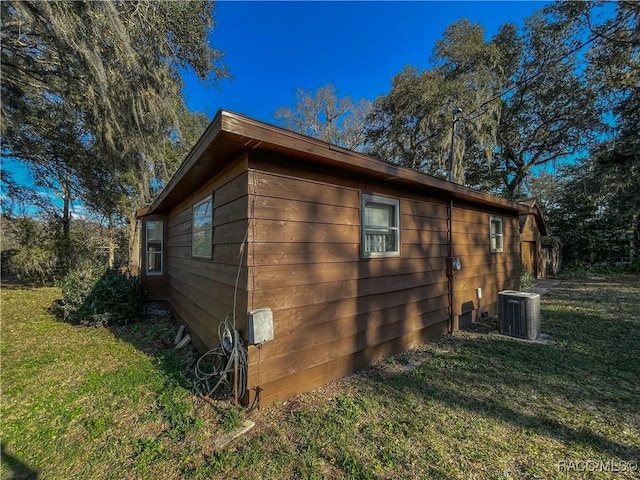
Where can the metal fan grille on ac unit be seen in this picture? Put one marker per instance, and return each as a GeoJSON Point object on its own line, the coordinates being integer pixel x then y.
{"type": "Point", "coordinates": [519, 314]}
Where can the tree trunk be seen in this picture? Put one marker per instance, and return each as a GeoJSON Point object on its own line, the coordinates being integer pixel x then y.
{"type": "Point", "coordinates": [133, 228]}
{"type": "Point", "coordinates": [133, 224]}
{"type": "Point", "coordinates": [66, 212]}
{"type": "Point", "coordinates": [65, 261]}
{"type": "Point", "coordinates": [111, 243]}
{"type": "Point", "coordinates": [514, 185]}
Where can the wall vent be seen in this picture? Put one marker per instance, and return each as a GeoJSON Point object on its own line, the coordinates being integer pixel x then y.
{"type": "Point", "coordinates": [519, 314]}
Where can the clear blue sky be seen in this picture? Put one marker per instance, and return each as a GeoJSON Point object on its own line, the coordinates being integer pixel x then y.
{"type": "Point", "coordinates": [273, 48]}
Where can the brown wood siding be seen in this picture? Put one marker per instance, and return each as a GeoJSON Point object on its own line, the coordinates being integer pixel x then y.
{"type": "Point", "coordinates": [333, 311]}
{"type": "Point", "coordinates": [492, 272]}
{"type": "Point", "coordinates": [155, 287]}
{"type": "Point", "coordinates": [201, 291]}
{"type": "Point", "coordinates": [298, 202]}
{"type": "Point", "coordinates": [290, 385]}
{"type": "Point", "coordinates": [528, 257]}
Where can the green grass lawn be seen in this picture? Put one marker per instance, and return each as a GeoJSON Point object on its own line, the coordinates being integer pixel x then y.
{"type": "Point", "coordinates": [82, 402]}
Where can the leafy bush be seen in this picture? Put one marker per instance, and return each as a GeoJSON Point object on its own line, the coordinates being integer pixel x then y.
{"type": "Point", "coordinates": [526, 280]}
{"type": "Point", "coordinates": [95, 296]}
{"type": "Point", "coordinates": [77, 286]}
{"type": "Point", "coordinates": [575, 270]}
{"type": "Point", "coordinates": [33, 264]}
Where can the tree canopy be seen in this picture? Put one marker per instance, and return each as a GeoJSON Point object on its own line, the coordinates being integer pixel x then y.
{"type": "Point", "coordinates": [107, 76]}
{"type": "Point", "coordinates": [416, 123]}
{"type": "Point", "coordinates": [118, 63]}
{"type": "Point", "coordinates": [594, 205]}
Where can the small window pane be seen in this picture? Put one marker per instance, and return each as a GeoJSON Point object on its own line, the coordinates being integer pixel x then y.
{"type": "Point", "coordinates": [378, 214]}
{"type": "Point", "coordinates": [380, 241]}
{"type": "Point", "coordinates": [380, 226]}
{"type": "Point", "coordinates": [154, 262]}
{"type": "Point", "coordinates": [202, 243]}
{"type": "Point", "coordinates": [496, 235]}
{"type": "Point", "coordinates": [154, 237]}
{"type": "Point", "coordinates": [154, 231]}
{"type": "Point", "coordinates": [202, 229]}
{"type": "Point", "coordinates": [202, 215]}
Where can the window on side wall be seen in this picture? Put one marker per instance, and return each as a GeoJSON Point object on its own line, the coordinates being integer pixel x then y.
{"type": "Point", "coordinates": [202, 229]}
{"type": "Point", "coordinates": [154, 247]}
{"type": "Point", "coordinates": [496, 234]}
{"type": "Point", "coordinates": [380, 226]}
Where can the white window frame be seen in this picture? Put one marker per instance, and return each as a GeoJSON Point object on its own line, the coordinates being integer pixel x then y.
{"type": "Point", "coordinates": [195, 230]}
{"type": "Point", "coordinates": [154, 252]}
{"type": "Point", "coordinates": [498, 235]}
{"type": "Point", "coordinates": [395, 203]}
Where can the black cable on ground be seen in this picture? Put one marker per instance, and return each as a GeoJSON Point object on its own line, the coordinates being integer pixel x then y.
{"type": "Point", "coordinates": [214, 369]}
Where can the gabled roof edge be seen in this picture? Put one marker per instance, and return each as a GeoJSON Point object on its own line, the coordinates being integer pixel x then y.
{"type": "Point", "coordinates": [536, 211]}
{"type": "Point", "coordinates": [269, 136]}
{"type": "Point", "coordinates": [214, 128]}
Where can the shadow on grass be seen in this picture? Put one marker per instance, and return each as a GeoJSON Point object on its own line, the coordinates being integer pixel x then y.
{"type": "Point", "coordinates": [11, 282]}
{"type": "Point", "coordinates": [591, 371]}
{"type": "Point", "coordinates": [154, 335]}
{"type": "Point", "coordinates": [541, 424]}
{"type": "Point", "coordinates": [114, 300]}
{"type": "Point", "coordinates": [16, 469]}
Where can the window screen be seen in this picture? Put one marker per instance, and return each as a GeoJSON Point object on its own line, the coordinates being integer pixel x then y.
{"type": "Point", "coordinates": [496, 235]}
{"type": "Point", "coordinates": [202, 229]}
{"type": "Point", "coordinates": [154, 247]}
{"type": "Point", "coordinates": [380, 226]}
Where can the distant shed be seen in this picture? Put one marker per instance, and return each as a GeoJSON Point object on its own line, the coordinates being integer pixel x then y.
{"type": "Point", "coordinates": [357, 258]}
{"type": "Point", "coordinates": [532, 229]}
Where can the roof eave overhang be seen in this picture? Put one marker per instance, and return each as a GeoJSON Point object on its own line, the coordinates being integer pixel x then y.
{"type": "Point", "coordinates": [229, 134]}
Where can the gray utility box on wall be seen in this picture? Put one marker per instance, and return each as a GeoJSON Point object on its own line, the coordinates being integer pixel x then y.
{"type": "Point", "coordinates": [260, 326]}
{"type": "Point", "coordinates": [519, 314]}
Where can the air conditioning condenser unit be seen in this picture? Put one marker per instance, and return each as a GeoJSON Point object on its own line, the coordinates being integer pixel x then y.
{"type": "Point", "coordinates": [519, 314]}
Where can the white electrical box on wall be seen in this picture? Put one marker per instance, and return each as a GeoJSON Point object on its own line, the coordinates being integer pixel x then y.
{"type": "Point", "coordinates": [260, 326]}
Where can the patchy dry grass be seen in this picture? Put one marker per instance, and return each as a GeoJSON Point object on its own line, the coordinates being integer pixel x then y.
{"type": "Point", "coordinates": [88, 403]}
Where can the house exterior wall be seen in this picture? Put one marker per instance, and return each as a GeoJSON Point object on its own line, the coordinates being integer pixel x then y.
{"type": "Point", "coordinates": [492, 272]}
{"type": "Point", "coordinates": [336, 312]}
{"type": "Point", "coordinates": [201, 291]}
